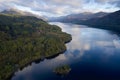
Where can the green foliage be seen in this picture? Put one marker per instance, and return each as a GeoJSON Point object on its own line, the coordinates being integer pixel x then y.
{"type": "Point", "coordinates": [62, 70]}
{"type": "Point", "coordinates": [24, 39]}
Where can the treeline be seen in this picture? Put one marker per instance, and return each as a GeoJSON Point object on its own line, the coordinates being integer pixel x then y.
{"type": "Point", "coordinates": [24, 39]}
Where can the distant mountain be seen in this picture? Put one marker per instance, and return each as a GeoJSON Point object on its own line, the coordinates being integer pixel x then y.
{"type": "Point", "coordinates": [19, 12]}
{"type": "Point", "coordinates": [110, 21]}
{"type": "Point", "coordinates": [10, 12]}
{"type": "Point", "coordinates": [16, 12]}
{"type": "Point", "coordinates": [73, 18]}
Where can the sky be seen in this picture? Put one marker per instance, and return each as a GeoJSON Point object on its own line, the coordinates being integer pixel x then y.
{"type": "Point", "coordinates": [54, 8]}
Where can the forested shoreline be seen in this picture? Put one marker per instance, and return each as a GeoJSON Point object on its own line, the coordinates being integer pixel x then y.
{"type": "Point", "coordinates": [24, 39]}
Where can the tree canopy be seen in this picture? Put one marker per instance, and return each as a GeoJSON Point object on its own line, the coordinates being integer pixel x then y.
{"type": "Point", "coordinates": [24, 39]}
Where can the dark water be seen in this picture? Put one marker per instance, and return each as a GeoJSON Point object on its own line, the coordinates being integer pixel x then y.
{"type": "Point", "coordinates": [93, 54]}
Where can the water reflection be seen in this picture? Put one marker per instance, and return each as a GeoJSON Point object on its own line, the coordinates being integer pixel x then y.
{"type": "Point", "coordinates": [91, 52]}
{"type": "Point", "coordinates": [85, 39]}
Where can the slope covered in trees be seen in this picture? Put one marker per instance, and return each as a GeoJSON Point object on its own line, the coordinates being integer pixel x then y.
{"type": "Point", "coordinates": [24, 39]}
{"type": "Point", "coordinates": [110, 21]}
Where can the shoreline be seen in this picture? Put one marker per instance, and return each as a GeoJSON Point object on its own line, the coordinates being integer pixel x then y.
{"type": "Point", "coordinates": [37, 61]}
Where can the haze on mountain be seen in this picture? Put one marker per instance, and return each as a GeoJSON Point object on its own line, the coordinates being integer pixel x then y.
{"type": "Point", "coordinates": [19, 12]}
{"type": "Point", "coordinates": [56, 8]}
{"type": "Point", "coordinates": [22, 34]}
{"type": "Point", "coordinates": [110, 21]}
{"type": "Point", "coordinates": [78, 17]}
{"type": "Point", "coordinates": [77, 11]}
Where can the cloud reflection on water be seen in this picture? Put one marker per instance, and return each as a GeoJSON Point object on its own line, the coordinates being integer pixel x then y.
{"type": "Point", "coordinates": [85, 39]}
{"type": "Point", "coordinates": [95, 46]}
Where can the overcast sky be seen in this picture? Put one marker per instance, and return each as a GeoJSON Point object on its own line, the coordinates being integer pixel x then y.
{"type": "Point", "coordinates": [60, 7]}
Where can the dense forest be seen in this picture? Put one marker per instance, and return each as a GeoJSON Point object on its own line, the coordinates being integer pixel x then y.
{"type": "Point", "coordinates": [62, 70]}
{"type": "Point", "coordinates": [24, 39]}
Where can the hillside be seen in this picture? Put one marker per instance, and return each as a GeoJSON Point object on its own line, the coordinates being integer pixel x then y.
{"type": "Point", "coordinates": [103, 20]}
{"type": "Point", "coordinates": [21, 13]}
{"type": "Point", "coordinates": [75, 18]}
{"type": "Point", "coordinates": [111, 21]}
{"type": "Point", "coordinates": [24, 39]}
{"type": "Point", "coordinates": [10, 12]}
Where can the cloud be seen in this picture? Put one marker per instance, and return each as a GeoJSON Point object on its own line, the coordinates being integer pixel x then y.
{"type": "Point", "coordinates": [117, 2]}
{"type": "Point", "coordinates": [60, 7]}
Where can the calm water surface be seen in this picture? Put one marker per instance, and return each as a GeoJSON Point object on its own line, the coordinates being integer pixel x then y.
{"type": "Point", "coordinates": [93, 54]}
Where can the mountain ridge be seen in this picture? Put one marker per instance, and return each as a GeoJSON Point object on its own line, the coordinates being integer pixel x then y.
{"type": "Point", "coordinates": [78, 17]}
{"type": "Point", "coordinates": [22, 13]}
{"type": "Point", "coordinates": [110, 21]}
